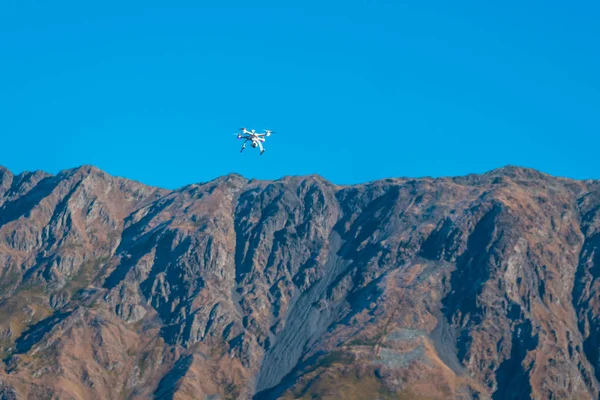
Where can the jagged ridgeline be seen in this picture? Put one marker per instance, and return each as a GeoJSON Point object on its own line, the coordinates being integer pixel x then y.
{"type": "Point", "coordinates": [483, 286]}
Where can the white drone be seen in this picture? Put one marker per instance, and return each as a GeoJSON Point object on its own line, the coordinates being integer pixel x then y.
{"type": "Point", "coordinates": [256, 139]}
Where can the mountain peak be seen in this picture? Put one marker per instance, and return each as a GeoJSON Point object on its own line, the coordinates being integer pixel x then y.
{"type": "Point", "coordinates": [246, 289]}
{"type": "Point", "coordinates": [517, 171]}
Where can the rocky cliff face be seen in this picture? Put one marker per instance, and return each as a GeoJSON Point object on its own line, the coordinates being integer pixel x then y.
{"type": "Point", "coordinates": [476, 287]}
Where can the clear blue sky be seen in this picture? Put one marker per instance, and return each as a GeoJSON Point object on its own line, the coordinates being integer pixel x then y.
{"type": "Point", "coordinates": [356, 90]}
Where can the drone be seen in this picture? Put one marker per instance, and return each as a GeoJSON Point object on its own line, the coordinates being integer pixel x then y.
{"type": "Point", "coordinates": [256, 139]}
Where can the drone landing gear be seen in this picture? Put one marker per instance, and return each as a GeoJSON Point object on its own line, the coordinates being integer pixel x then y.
{"type": "Point", "coordinates": [262, 151]}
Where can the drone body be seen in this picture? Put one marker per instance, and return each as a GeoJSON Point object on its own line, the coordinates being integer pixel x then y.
{"type": "Point", "coordinates": [255, 139]}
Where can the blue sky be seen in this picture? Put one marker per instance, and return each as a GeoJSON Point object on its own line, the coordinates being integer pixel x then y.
{"type": "Point", "coordinates": [356, 90]}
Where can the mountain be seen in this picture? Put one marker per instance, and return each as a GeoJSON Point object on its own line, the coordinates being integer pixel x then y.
{"type": "Point", "coordinates": [474, 287]}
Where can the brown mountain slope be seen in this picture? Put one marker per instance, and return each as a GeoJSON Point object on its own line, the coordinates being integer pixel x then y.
{"type": "Point", "coordinates": [484, 286]}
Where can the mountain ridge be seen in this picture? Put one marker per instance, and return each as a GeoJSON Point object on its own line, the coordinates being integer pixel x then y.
{"type": "Point", "coordinates": [506, 169]}
{"type": "Point", "coordinates": [478, 286]}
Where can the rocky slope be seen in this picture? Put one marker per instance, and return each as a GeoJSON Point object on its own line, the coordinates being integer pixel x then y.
{"type": "Point", "coordinates": [477, 287]}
